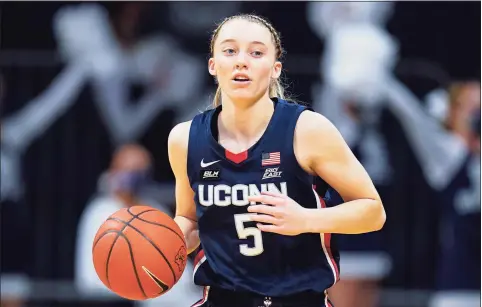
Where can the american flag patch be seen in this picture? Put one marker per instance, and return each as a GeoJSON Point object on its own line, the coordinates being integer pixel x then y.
{"type": "Point", "coordinates": [270, 158]}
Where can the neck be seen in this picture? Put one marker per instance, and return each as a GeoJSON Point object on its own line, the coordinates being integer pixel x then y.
{"type": "Point", "coordinates": [242, 122]}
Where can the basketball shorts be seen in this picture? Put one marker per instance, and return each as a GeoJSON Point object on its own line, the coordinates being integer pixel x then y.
{"type": "Point", "coordinates": [217, 297]}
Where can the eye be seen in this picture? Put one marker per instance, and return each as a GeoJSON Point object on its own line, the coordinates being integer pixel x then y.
{"type": "Point", "coordinates": [229, 51]}
{"type": "Point", "coordinates": [257, 53]}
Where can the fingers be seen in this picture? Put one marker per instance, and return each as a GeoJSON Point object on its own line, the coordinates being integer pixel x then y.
{"type": "Point", "coordinates": [269, 212]}
{"type": "Point", "coordinates": [269, 228]}
{"type": "Point", "coordinates": [264, 209]}
{"type": "Point", "coordinates": [263, 218]}
{"type": "Point", "coordinates": [277, 195]}
{"type": "Point", "coordinates": [267, 199]}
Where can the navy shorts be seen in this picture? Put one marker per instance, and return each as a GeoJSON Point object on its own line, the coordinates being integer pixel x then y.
{"type": "Point", "coordinates": [217, 297]}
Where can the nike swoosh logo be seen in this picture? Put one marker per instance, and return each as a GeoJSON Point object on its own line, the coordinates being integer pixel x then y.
{"type": "Point", "coordinates": [208, 164]}
{"type": "Point", "coordinates": [159, 282]}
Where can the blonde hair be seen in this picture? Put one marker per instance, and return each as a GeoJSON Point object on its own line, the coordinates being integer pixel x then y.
{"type": "Point", "coordinates": [276, 88]}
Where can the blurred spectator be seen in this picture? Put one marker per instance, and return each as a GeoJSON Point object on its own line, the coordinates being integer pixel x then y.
{"type": "Point", "coordinates": [121, 62]}
{"type": "Point", "coordinates": [197, 25]}
{"type": "Point", "coordinates": [359, 55]}
{"type": "Point", "coordinates": [18, 131]}
{"type": "Point", "coordinates": [441, 147]}
{"type": "Point", "coordinates": [125, 184]}
{"type": "Point", "coordinates": [21, 128]}
{"type": "Point", "coordinates": [449, 153]}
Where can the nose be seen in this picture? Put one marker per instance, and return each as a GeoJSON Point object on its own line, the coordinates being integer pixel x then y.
{"type": "Point", "coordinates": [241, 60]}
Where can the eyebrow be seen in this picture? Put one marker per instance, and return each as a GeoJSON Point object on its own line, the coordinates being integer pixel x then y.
{"type": "Point", "coordinates": [230, 40]}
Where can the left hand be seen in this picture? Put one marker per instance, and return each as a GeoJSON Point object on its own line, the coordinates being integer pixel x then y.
{"type": "Point", "coordinates": [284, 216]}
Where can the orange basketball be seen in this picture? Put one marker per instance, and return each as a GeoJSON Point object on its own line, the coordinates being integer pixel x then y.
{"type": "Point", "coordinates": [139, 253]}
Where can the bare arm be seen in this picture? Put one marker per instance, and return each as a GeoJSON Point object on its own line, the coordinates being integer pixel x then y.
{"type": "Point", "coordinates": [439, 152]}
{"type": "Point", "coordinates": [185, 205]}
{"type": "Point", "coordinates": [124, 121]}
{"type": "Point", "coordinates": [321, 150]}
{"type": "Point", "coordinates": [20, 129]}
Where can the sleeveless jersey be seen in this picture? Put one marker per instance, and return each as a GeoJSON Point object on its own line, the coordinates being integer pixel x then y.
{"type": "Point", "coordinates": [459, 266]}
{"type": "Point", "coordinates": [235, 254]}
{"type": "Point", "coordinates": [462, 196]}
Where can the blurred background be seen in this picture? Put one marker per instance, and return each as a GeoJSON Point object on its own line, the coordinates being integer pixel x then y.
{"type": "Point", "coordinates": [90, 91]}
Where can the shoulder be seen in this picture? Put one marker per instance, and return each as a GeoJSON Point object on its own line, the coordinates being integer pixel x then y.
{"type": "Point", "coordinates": [179, 135]}
{"type": "Point", "coordinates": [315, 138]}
{"type": "Point", "coordinates": [311, 125]}
{"type": "Point", "coordinates": [177, 147]}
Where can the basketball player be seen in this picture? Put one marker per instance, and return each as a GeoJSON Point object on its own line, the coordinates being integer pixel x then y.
{"type": "Point", "coordinates": [244, 181]}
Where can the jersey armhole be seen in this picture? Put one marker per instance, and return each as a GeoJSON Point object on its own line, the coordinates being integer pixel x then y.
{"type": "Point", "coordinates": [296, 164]}
{"type": "Point", "coordinates": [192, 137]}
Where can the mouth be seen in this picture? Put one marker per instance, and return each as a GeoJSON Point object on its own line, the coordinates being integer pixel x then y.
{"type": "Point", "coordinates": [241, 78]}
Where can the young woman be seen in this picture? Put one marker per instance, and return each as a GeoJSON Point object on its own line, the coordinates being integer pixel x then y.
{"type": "Point", "coordinates": [244, 172]}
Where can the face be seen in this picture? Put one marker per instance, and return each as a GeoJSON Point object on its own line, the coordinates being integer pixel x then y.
{"type": "Point", "coordinates": [244, 60]}
{"type": "Point", "coordinates": [466, 103]}
{"type": "Point", "coordinates": [464, 109]}
{"type": "Point", "coordinates": [129, 170]}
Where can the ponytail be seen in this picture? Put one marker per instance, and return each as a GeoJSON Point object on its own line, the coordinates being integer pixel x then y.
{"type": "Point", "coordinates": [276, 89]}
{"type": "Point", "coordinates": [217, 98]}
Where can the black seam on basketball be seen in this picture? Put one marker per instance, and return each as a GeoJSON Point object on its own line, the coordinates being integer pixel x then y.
{"type": "Point", "coordinates": [157, 224]}
{"type": "Point", "coordinates": [134, 263]}
{"type": "Point", "coordinates": [102, 235]}
{"type": "Point", "coordinates": [117, 237]}
{"type": "Point", "coordinates": [152, 243]}
{"type": "Point", "coordinates": [108, 231]}
{"type": "Point", "coordinates": [110, 252]}
{"type": "Point", "coordinates": [164, 226]}
{"type": "Point", "coordinates": [138, 214]}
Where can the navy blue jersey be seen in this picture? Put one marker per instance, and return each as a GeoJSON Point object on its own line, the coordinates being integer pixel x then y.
{"type": "Point", "coordinates": [235, 254]}
{"type": "Point", "coordinates": [462, 196]}
{"type": "Point", "coordinates": [459, 266]}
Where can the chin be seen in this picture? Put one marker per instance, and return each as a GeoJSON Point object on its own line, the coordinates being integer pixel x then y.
{"type": "Point", "coordinates": [245, 96]}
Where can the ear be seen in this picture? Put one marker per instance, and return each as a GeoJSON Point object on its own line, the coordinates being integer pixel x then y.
{"type": "Point", "coordinates": [277, 67]}
{"type": "Point", "coordinates": [211, 68]}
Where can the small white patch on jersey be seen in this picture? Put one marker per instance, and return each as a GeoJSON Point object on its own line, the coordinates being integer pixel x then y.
{"type": "Point", "coordinates": [272, 173]}
{"type": "Point", "coordinates": [210, 174]}
{"type": "Point", "coordinates": [203, 165]}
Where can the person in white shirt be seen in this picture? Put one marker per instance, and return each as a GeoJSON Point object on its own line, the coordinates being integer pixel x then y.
{"type": "Point", "coordinates": [125, 184]}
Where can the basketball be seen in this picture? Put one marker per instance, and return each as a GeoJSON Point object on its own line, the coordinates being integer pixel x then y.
{"type": "Point", "coordinates": [139, 253]}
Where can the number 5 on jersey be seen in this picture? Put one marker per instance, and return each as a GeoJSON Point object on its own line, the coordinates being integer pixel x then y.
{"type": "Point", "coordinates": [245, 232]}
